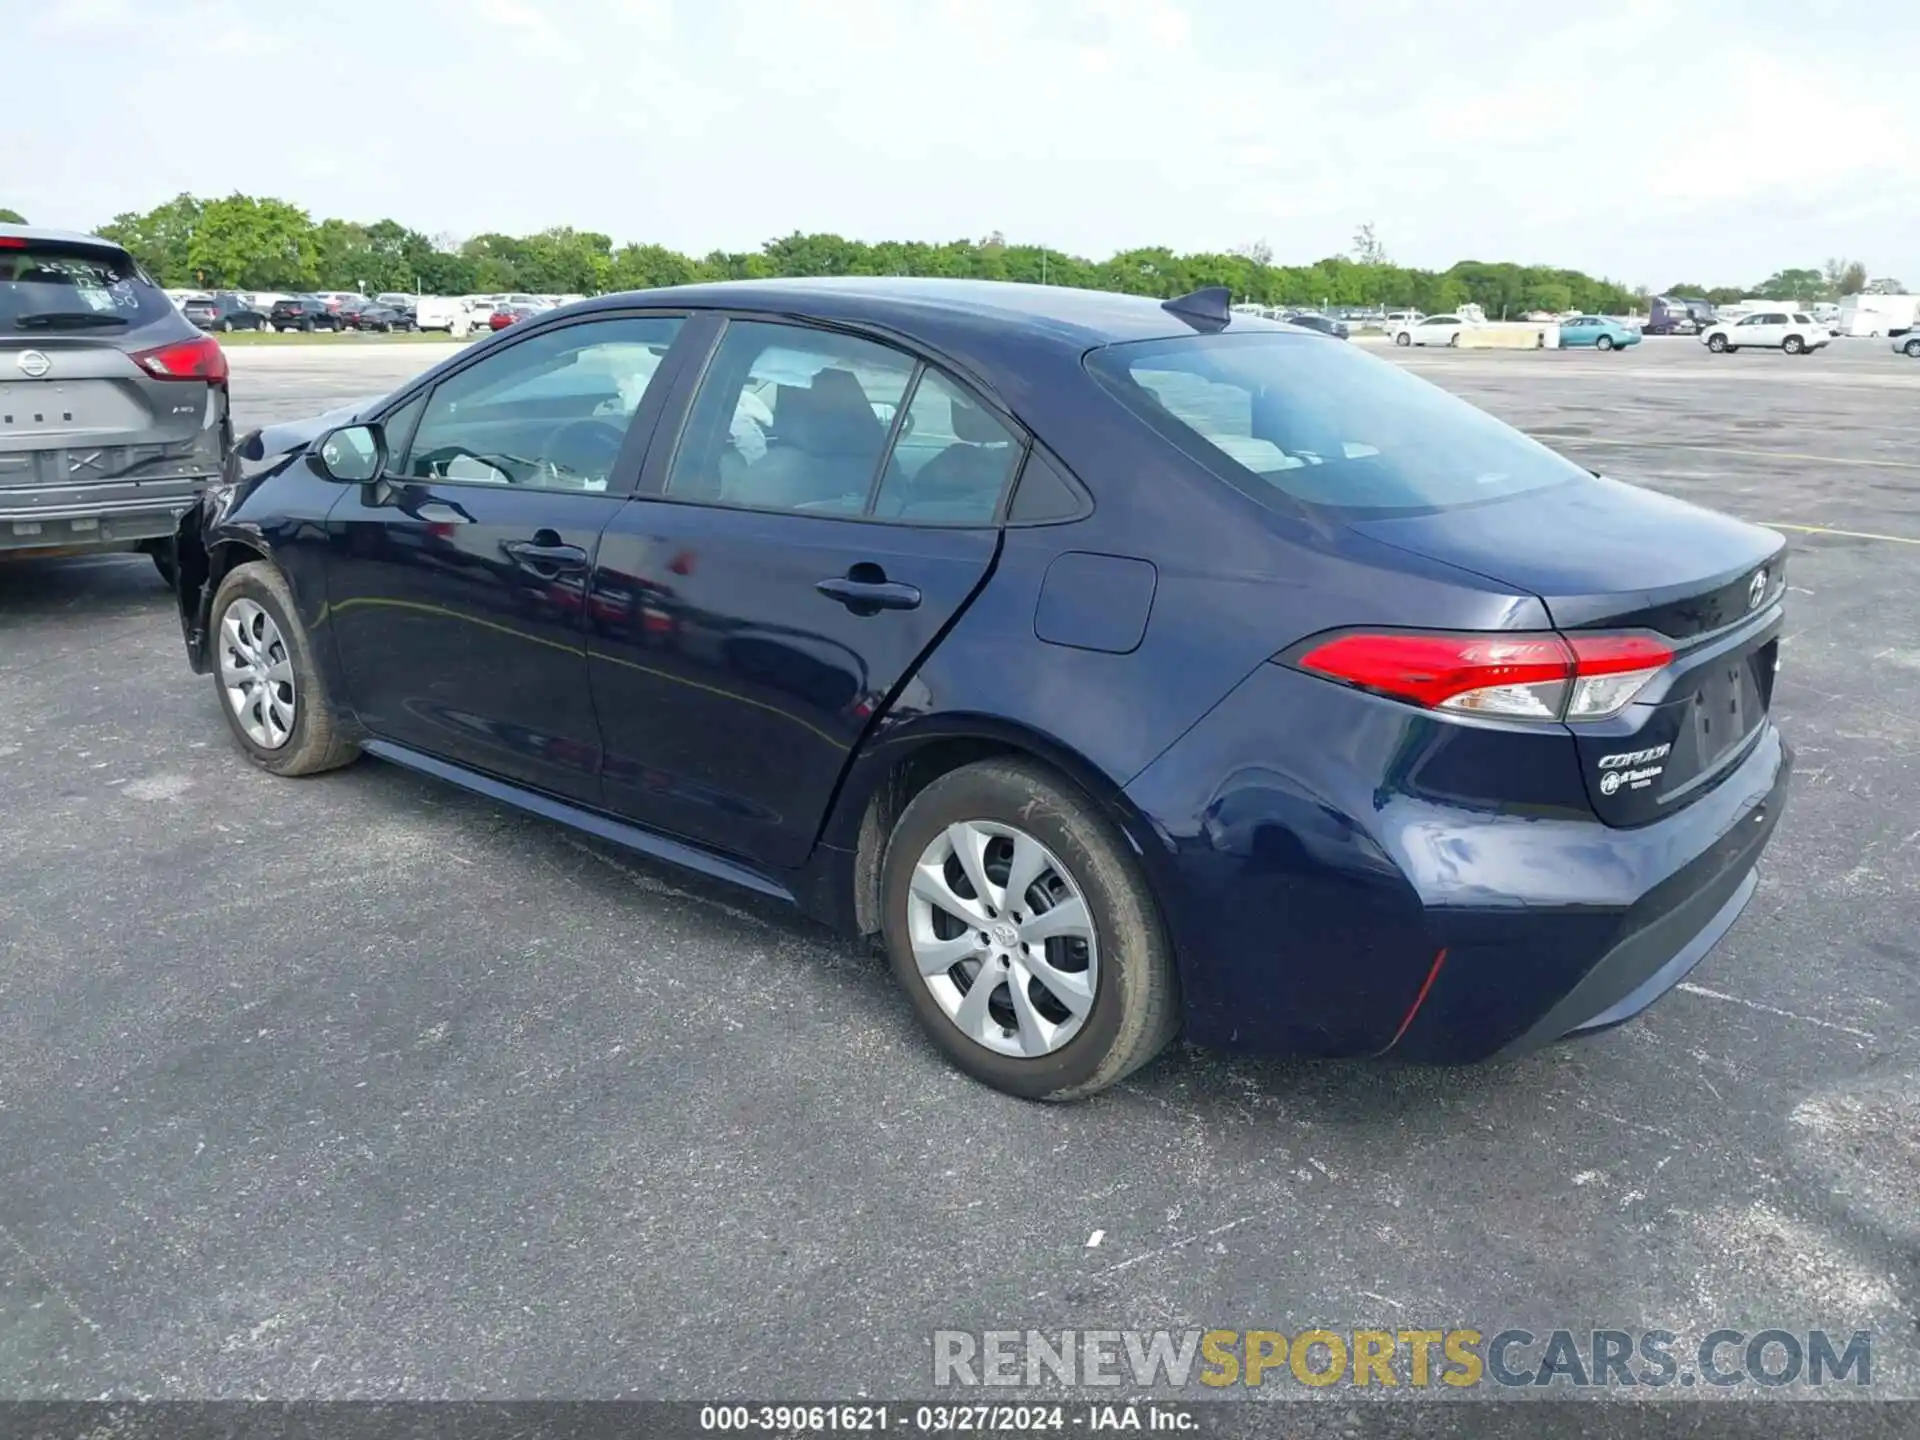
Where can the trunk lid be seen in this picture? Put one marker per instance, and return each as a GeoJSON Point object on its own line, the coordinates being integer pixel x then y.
{"type": "Point", "coordinates": [1604, 555]}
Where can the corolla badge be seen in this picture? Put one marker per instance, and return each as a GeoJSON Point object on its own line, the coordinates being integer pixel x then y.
{"type": "Point", "coordinates": [1757, 591]}
{"type": "Point", "coordinates": [33, 363]}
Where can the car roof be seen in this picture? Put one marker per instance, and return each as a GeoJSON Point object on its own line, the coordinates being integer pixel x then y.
{"type": "Point", "coordinates": [64, 237]}
{"type": "Point", "coordinates": [948, 314]}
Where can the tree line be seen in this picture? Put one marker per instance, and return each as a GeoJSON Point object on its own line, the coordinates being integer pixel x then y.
{"type": "Point", "coordinates": [244, 242]}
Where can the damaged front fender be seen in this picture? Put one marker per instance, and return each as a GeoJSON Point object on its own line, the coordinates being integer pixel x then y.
{"type": "Point", "coordinates": [258, 455]}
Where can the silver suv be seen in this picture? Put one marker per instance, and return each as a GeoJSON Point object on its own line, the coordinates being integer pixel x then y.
{"type": "Point", "coordinates": [113, 405]}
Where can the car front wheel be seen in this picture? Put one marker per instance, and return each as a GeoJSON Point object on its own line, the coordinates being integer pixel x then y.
{"type": "Point", "coordinates": [273, 697]}
{"type": "Point", "coordinates": [1019, 924]}
{"type": "Point", "coordinates": [1912, 347]}
{"type": "Point", "coordinates": [1403, 338]}
{"type": "Point", "coordinates": [1717, 344]}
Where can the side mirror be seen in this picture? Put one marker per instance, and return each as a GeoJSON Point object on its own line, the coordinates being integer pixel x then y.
{"type": "Point", "coordinates": [353, 454]}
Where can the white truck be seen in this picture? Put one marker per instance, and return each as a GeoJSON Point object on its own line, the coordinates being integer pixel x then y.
{"type": "Point", "coordinates": [440, 312]}
{"type": "Point", "coordinates": [1877, 315]}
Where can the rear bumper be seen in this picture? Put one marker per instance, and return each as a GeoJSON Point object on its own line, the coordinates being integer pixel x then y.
{"type": "Point", "coordinates": [65, 517]}
{"type": "Point", "coordinates": [1331, 896]}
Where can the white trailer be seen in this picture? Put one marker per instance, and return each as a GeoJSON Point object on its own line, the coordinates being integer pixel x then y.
{"type": "Point", "coordinates": [1877, 315]}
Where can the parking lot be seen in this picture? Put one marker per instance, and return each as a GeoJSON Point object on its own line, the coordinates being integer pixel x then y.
{"type": "Point", "coordinates": [362, 1087]}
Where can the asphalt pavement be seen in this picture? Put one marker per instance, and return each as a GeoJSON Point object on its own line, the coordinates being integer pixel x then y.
{"type": "Point", "coordinates": [359, 1087]}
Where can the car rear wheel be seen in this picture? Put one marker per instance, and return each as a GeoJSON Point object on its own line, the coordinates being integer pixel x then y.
{"type": "Point", "coordinates": [274, 700]}
{"type": "Point", "coordinates": [1605, 342]}
{"type": "Point", "coordinates": [162, 553]}
{"type": "Point", "coordinates": [1718, 344]}
{"type": "Point", "coordinates": [1021, 928]}
{"type": "Point", "coordinates": [1793, 345]}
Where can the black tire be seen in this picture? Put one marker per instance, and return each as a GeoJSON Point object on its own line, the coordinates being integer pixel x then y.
{"type": "Point", "coordinates": [306, 327]}
{"type": "Point", "coordinates": [1605, 342]}
{"type": "Point", "coordinates": [163, 561]}
{"type": "Point", "coordinates": [1912, 347]}
{"type": "Point", "coordinates": [1136, 1009]}
{"type": "Point", "coordinates": [1794, 345]}
{"type": "Point", "coordinates": [226, 327]}
{"type": "Point", "coordinates": [316, 741]}
{"type": "Point", "coordinates": [1718, 344]}
{"type": "Point", "coordinates": [1403, 338]}
{"type": "Point", "coordinates": [1453, 341]}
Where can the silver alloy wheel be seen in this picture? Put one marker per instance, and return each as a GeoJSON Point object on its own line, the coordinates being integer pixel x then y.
{"type": "Point", "coordinates": [256, 674]}
{"type": "Point", "coordinates": [1003, 938]}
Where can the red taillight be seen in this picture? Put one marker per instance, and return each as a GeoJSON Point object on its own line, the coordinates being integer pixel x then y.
{"type": "Point", "coordinates": [1518, 676]}
{"type": "Point", "coordinates": [200, 359]}
{"type": "Point", "coordinates": [12, 242]}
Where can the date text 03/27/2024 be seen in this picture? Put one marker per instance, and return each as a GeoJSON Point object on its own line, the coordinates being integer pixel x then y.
{"type": "Point", "coordinates": [945, 1419]}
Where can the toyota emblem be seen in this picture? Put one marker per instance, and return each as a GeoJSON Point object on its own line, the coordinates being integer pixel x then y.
{"type": "Point", "coordinates": [1757, 591]}
{"type": "Point", "coordinates": [34, 364]}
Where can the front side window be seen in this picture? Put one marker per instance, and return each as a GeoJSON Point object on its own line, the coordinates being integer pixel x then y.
{"type": "Point", "coordinates": [550, 412]}
{"type": "Point", "coordinates": [1289, 418]}
{"type": "Point", "coordinates": [788, 418]}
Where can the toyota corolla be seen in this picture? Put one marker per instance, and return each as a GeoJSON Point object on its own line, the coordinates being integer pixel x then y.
{"type": "Point", "coordinates": [1132, 669]}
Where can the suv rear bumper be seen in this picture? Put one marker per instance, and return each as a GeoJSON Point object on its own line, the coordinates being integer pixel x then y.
{"type": "Point", "coordinates": [115, 513]}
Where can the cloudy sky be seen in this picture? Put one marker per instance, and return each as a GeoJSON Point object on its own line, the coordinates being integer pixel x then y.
{"type": "Point", "coordinates": [1708, 140]}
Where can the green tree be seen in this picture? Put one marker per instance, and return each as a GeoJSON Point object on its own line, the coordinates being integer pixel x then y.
{"type": "Point", "coordinates": [243, 243]}
{"type": "Point", "coordinates": [1853, 279]}
{"type": "Point", "coordinates": [258, 243]}
{"type": "Point", "coordinates": [159, 238]}
{"type": "Point", "coordinates": [11, 217]}
{"type": "Point", "coordinates": [1792, 284]}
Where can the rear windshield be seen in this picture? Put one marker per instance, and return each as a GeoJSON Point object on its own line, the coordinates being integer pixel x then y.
{"type": "Point", "coordinates": [1288, 418]}
{"type": "Point", "coordinates": [50, 287]}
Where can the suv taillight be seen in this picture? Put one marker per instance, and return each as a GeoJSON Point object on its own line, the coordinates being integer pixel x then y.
{"type": "Point", "coordinates": [1509, 676]}
{"type": "Point", "coordinates": [200, 359]}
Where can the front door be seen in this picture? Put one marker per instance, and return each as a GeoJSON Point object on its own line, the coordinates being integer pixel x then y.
{"type": "Point", "coordinates": [831, 506]}
{"type": "Point", "coordinates": [457, 584]}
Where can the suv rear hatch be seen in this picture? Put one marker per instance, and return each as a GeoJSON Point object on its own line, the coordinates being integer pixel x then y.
{"type": "Point", "coordinates": [104, 387]}
{"type": "Point", "coordinates": [1629, 559]}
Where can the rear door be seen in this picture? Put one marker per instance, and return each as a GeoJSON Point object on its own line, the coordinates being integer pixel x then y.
{"type": "Point", "coordinates": [779, 577]}
{"type": "Point", "coordinates": [456, 584]}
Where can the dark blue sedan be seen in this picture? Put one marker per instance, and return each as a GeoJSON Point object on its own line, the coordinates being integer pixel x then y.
{"type": "Point", "coordinates": [1135, 670]}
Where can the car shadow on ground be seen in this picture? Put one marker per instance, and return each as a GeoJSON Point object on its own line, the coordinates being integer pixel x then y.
{"type": "Point", "coordinates": [76, 587]}
{"type": "Point", "coordinates": [1375, 1096]}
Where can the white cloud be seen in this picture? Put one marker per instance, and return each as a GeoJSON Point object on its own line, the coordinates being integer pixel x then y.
{"type": "Point", "coordinates": [1618, 138]}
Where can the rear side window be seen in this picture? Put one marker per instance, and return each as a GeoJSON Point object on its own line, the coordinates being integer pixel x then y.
{"type": "Point", "coordinates": [48, 286]}
{"type": "Point", "coordinates": [951, 459]}
{"type": "Point", "coordinates": [788, 418]}
{"type": "Point", "coordinates": [1287, 419]}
